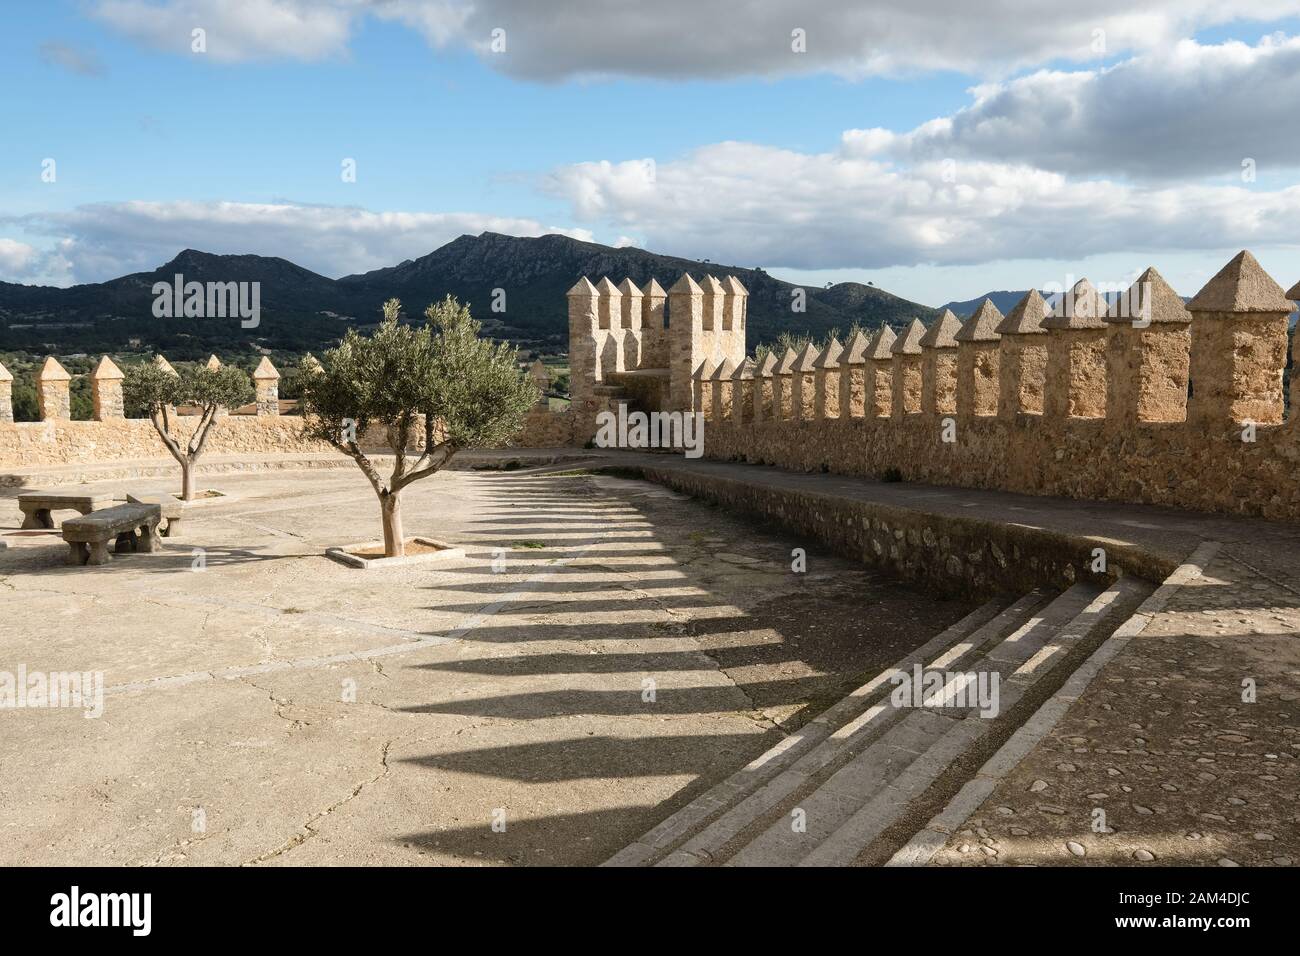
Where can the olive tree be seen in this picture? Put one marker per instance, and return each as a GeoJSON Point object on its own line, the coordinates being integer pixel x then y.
{"type": "Point", "coordinates": [434, 388]}
{"type": "Point", "coordinates": [155, 391]}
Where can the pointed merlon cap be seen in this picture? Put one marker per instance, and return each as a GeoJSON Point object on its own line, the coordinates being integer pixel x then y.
{"type": "Point", "coordinates": [830, 356]}
{"type": "Point", "coordinates": [52, 371]}
{"type": "Point", "coordinates": [538, 373]}
{"type": "Point", "coordinates": [983, 324]}
{"type": "Point", "coordinates": [628, 287]}
{"type": "Point", "coordinates": [163, 364]}
{"type": "Point", "coordinates": [768, 366]}
{"type": "Point", "coordinates": [605, 287]}
{"type": "Point", "coordinates": [1241, 286]}
{"type": "Point", "coordinates": [711, 286]}
{"type": "Point", "coordinates": [583, 288]}
{"type": "Point", "coordinates": [1293, 293]}
{"type": "Point", "coordinates": [881, 343]}
{"type": "Point", "coordinates": [214, 363]}
{"type": "Point", "coordinates": [724, 371]}
{"type": "Point", "coordinates": [855, 353]}
{"type": "Point", "coordinates": [1081, 308]}
{"type": "Point", "coordinates": [804, 363]}
{"type": "Point", "coordinates": [105, 371]}
{"type": "Point", "coordinates": [653, 288]}
{"type": "Point", "coordinates": [942, 332]}
{"type": "Point", "coordinates": [909, 343]}
{"type": "Point", "coordinates": [5, 374]}
{"type": "Point", "coordinates": [686, 285]}
{"type": "Point", "coordinates": [745, 370]}
{"type": "Point", "coordinates": [787, 363]}
{"type": "Point", "coordinates": [265, 371]}
{"type": "Point", "coordinates": [706, 369]}
{"type": "Point", "coordinates": [733, 287]}
{"type": "Point", "coordinates": [1027, 316]}
{"type": "Point", "coordinates": [1166, 306]}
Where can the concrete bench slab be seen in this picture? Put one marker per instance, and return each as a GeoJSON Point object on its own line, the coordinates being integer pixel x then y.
{"type": "Point", "coordinates": [133, 526]}
{"type": "Point", "coordinates": [173, 509]}
{"type": "Point", "coordinates": [37, 506]}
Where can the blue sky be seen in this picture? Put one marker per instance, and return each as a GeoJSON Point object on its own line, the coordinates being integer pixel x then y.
{"type": "Point", "coordinates": [1044, 156]}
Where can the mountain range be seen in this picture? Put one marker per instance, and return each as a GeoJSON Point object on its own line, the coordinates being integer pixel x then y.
{"type": "Point", "coordinates": [301, 310]}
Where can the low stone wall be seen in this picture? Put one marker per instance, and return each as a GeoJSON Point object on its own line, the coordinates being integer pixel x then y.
{"type": "Point", "coordinates": [545, 429]}
{"type": "Point", "coordinates": [26, 445]}
{"type": "Point", "coordinates": [57, 442]}
{"type": "Point", "coordinates": [971, 557]}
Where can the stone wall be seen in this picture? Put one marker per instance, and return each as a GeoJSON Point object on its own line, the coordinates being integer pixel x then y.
{"type": "Point", "coordinates": [25, 445]}
{"type": "Point", "coordinates": [619, 329]}
{"type": "Point", "coordinates": [975, 557]}
{"type": "Point", "coordinates": [1146, 400]}
{"type": "Point", "coordinates": [57, 440]}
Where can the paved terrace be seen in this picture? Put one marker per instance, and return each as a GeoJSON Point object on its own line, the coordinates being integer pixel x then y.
{"type": "Point", "coordinates": [475, 690]}
{"type": "Point", "coordinates": [523, 689]}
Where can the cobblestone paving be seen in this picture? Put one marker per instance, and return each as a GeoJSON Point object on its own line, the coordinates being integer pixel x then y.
{"type": "Point", "coordinates": [1165, 760]}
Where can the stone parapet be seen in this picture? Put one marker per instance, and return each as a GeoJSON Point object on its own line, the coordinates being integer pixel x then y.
{"type": "Point", "coordinates": [1089, 400]}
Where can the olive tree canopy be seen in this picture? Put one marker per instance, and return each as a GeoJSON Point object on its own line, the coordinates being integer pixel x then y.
{"type": "Point", "coordinates": [433, 389]}
{"type": "Point", "coordinates": [153, 390]}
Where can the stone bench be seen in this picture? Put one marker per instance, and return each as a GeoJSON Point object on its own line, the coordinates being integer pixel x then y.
{"type": "Point", "coordinates": [173, 509]}
{"type": "Point", "coordinates": [134, 528]}
{"type": "Point", "coordinates": [37, 506]}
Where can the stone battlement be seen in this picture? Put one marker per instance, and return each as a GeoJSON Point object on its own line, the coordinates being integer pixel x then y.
{"type": "Point", "coordinates": [1145, 399]}
{"type": "Point", "coordinates": [649, 345]}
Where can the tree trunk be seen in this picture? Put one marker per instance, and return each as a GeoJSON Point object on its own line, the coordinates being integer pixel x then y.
{"type": "Point", "coordinates": [390, 507]}
{"type": "Point", "coordinates": [187, 481]}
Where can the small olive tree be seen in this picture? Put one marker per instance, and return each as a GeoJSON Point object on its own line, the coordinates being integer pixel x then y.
{"type": "Point", "coordinates": [154, 391]}
{"type": "Point", "coordinates": [438, 386]}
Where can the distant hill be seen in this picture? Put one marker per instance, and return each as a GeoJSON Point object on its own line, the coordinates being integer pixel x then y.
{"type": "Point", "coordinates": [302, 310]}
{"type": "Point", "coordinates": [1005, 302]}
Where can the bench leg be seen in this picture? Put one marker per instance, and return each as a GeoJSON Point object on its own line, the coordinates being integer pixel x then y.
{"type": "Point", "coordinates": [98, 553]}
{"type": "Point", "coordinates": [77, 553]}
{"type": "Point", "coordinates": [126, 541]}
{"type": "Point", "coordinates": [173, 528]}
{"type": "Point", "coordinates": [40, 518]}
{"type": "Point", "coordinates": [149, 542]}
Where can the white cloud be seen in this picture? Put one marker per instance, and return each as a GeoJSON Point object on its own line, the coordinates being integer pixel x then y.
{"type": "Point", "coordinates": [1186, 109]}
{"type": "Point", "coordinates": [237, 29]}
{"type": "Point", "coordinates": [104, 240]}
{"type": "Point", "coordinates": [752, 204]}
{"type": "Point", "coordinates": [1145, 155]}
{"type": "Point", "coordinates": [16, 258]}
{"type": "Point", "coordinates": [700, 38]}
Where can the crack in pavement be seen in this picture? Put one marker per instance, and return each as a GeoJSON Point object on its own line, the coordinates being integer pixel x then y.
{"type": "Point", "coordinates": [308, 829]}
{"type": "Point", "coordinates": [280, 704]}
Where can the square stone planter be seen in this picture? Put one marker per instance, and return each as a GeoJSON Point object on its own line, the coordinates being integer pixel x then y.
{"type": "Point", "coordinates": [442, 552]}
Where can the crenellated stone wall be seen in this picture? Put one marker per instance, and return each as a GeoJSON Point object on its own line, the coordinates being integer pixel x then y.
{"type": "Point", "coordinates": [651, 348]}
{"type": "Point", "coordinates": [1146, 400]}
{"type": "Point", "coordinates": [259, 429]}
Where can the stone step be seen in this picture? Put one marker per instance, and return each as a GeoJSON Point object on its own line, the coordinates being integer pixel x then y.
{"type": "Point", "coordinates": [691, 818]}
{"type": "Point", "coordinates": [826, 802]}
{"type": "Point", "coordinates": [932, 748]}
{"type": "Point", "coordinates": [705, 829]}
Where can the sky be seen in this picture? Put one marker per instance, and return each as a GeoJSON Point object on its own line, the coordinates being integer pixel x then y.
{"type": "Point", "coordinates": [938, 148]}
